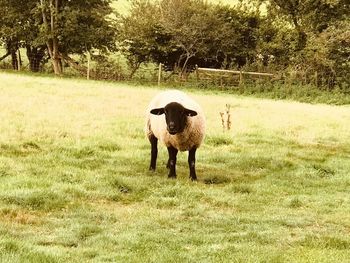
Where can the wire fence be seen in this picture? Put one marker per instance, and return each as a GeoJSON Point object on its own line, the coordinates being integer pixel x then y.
{"type": "Point", "coordinates": [153, 74]}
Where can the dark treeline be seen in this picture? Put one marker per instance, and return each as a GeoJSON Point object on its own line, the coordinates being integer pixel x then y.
{"type": "Point", "coordinates": [308, 39]}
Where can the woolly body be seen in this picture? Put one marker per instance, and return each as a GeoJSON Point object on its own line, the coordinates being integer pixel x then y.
{"type": "Point", "coordinates": [193, 134]}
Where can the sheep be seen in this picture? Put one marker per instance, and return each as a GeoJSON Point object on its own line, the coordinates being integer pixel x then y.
{"type": "Point", "coordinates": [181, 129]}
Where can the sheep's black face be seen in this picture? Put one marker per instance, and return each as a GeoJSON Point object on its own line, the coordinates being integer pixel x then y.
{"type": "Point", "coordinates": [175, 116]}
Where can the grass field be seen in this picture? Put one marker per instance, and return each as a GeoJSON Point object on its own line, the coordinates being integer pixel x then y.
{"type": "Point", "coordinates": [75, 185]}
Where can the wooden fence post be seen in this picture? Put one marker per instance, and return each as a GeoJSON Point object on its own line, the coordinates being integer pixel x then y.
{"type": "Point", "coordinates": [240, 77]}
{"type": "Point", "coordinates": [316, 79]}
{"type": "Point", "coordinates": [19, 60]}
{"type": "Point", "coordinates": [88, 65]}
{"type": "Point", "coordinates": [159, 73]}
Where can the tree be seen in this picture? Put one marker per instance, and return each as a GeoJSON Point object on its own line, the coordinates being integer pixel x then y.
{"type": "Point", "coordinates": [19, 29]}
{"type": "Point", "coordinates": [136, 35]}
{"type": "Point", "coordinates": [197, 33]}
{"type": "Point", "coordinates": [327, 54]}
{"type": "Point", "coordinates": [56, 27]}
{"type": "Point", "coordinates": [191, 26]}
{"type": "Point", "coordinates": [10, 29]}
{"type": "Point", "coordinates": [236, 38]}
{"type": "Point", "coordinates": [309, 16]}
{"type": "Point", "coordinates": [50, 25]}
{"type": "Point", "coordinates": [276, 44]}
{"type": "Point", "coordinates": [75, 27]}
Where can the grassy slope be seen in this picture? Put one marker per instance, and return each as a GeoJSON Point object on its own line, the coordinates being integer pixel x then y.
{"type": "Point", "coordinates": [74, 184]}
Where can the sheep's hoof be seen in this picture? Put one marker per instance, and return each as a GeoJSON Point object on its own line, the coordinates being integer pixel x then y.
{"type": "Point", "coordinates": [193, 177]}
{"type": "Point", "coordinates": [152, 169]}
{"type": "Point", "coordinates": [172, 176]}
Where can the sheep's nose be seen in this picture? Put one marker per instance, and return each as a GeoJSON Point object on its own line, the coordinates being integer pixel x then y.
{"type": "Point", "coordinates": [171, 125]}
{"type": "Point", "coordinates": [172, 128]}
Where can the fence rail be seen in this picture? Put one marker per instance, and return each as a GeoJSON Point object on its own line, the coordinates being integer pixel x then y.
{"type": "Point", "coordinates": [232, 75]}
{"type": "Point", "coordinates": [234, 72]}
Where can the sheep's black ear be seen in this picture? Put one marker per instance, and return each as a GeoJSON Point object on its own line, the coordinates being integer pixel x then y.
{"type": "Point", "coordinates": [158, 111]}
{"type": "Point", "coordinates": [190, 113]}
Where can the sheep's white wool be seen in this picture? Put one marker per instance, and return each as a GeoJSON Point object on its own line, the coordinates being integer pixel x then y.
{"type": "Point", "coordinates": [193, 134]}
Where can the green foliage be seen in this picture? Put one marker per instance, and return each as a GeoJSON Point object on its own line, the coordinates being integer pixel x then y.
{"type": "Point", "coordinates": [276, 46]}
{"type": "Point", "coordinates": [18, 28]}
{"type": "Point", "coordinates": [305, 42]}
{"type": "Point", "coordinates": [191, 28]}
{"type": "Point", "coordinates": [328, 54]}
{"type": "Point", "coordinates": [295, 39]}
{"type": "Point", "coordinates": [234, 43]}
{"type": "Point", "coordinates": [13, 18]}
{"type": "Point", "coordinates": [80, 26]}
{"type": "Point", "coordinates": [320, 49]}
{"type": "Point", "coordinates": [85, 25]}
{"type": "Point", "coordinates": [197, 33]}
{"type": "Point", "coordinates": [309, 15]}
{"type": "Point", "coordinates": [137, 32]}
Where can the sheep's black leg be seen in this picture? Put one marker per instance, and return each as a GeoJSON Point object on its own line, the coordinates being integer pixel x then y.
{"type": "Point", "coordinates": [172, 161]}
{"type": "Point", "coordinates": [192, 163]}
{"type": "Point", "coordinates": [154, 152]}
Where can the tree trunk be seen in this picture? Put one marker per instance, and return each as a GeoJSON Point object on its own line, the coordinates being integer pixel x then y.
{"type": "Point", "coordinates": [11, 48]}
{"type": "Point", "coordinates": [134, 68]}
{"type": "Point", "coordinates": [14, 59]}
{"type": "Point", "coordinates": [302, 37]}
{"type": "Point", "coordinates": [57, 63]}
{"type": "Point", "coordinates": [35, 56]}
{"type": "Point", "coordinates": [56, 60]}
{"type": "Point", "coordinates": [55, 56]}
{"type": "Point", "coordinates": [5, 56]}
{"type": "Point", "coordinates": [19, 60]}
{"type": "Point", "coordinates": [184, 66]}
{"type": "Point", "coordinates": [52, 43]}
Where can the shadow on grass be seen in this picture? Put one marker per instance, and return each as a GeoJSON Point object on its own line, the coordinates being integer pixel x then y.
{"type": "Point", "coordinates": [45, 200]}
{"type": "Point", "coordinates": [16, 251]}
{"type": "Point", "coordinates": [325, 242]}
{"type": "Point", "coordinates": [20, 150]}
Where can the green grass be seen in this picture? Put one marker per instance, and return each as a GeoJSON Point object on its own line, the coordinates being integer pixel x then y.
{"type": "Point", "coordinates": [74, 183]}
